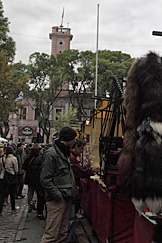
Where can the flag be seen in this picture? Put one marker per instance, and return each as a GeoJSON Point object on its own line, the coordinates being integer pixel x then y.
{"type": "Point", "coordinates": [20, 96]}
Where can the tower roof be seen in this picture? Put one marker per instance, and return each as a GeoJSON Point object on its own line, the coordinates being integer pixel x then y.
{"type": "Point", "coordinates": [60, 32]}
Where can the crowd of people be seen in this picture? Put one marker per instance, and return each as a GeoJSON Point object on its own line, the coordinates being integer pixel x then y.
{"type": "Point", "coordinates": [52, 174]}
{"type": "Point", "coordinates": [19, 166]}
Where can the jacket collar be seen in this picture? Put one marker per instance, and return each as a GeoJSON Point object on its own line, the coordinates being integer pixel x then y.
{"type": "Point", "coordinates": [60, 152]}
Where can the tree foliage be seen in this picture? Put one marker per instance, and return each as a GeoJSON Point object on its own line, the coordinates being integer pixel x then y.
{"type": "Point", "coordinates": [48, 75]}
{"type": "Point", "coordinates": [111, 63]}
{"type": "Point", "coordinates": [13, 77]}
{"type": "Point", "coordinates": [13, 80]}
{"type": "Point", "coordinates": [45, 79]}
{"type": "Point", "coordinates": [7, 44]}
{"type": "Point", "coordinates": [79, 71]}
{"type": "Point", "coordinates": [68, 119]}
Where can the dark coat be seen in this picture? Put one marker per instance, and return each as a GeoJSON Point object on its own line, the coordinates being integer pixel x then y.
{"type": "Point", "coordinates": [57, 177]}
{"type": "Point", "coordinates": [30, 178]}
{"type": "Point", "coordinates": [37, 166]}
{"type": "Point", "coordinates": [20, 155]}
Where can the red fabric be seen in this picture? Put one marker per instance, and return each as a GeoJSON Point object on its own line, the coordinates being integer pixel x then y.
{"type": "Point", "coordinates": [129, 227]}
{"type": "Point", "coordinates": [98, 206]}
{"type": "Point", "coordinates": [85, 196]}
{"type": "Point", "coordinates": [143, 229]}
{"type": "Point", "coordinates": [112, 178]}
{"type": "Point", "coordinates": [123, 220]}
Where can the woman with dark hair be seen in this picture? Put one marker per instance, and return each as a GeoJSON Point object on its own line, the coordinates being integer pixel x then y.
{"type": "Point", "coordinates": [30, 179]}
{"type": "Point", "coordinates": [11, 170]}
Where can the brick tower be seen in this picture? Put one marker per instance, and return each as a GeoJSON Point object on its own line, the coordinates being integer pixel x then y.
{"type": "Point", "coordinates": [61, 38]}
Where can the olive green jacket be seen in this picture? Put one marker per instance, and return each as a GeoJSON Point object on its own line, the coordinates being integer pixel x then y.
{"type": "Point", "coordinates": [57, 177]}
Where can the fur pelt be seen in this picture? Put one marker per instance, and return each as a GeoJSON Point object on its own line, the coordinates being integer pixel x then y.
{"type": "Point", "coordinates": [140, 163]}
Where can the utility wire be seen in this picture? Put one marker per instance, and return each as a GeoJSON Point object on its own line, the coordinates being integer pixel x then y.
{"type": "Point", "coordinates": [81, 42]}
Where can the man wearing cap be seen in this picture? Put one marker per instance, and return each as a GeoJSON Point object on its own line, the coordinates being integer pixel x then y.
{"type": "Point", "coordinates": [59, 184]}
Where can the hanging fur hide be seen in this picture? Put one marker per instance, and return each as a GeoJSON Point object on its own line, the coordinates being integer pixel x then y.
{"type": "Point", "coordinates": [140, 163]}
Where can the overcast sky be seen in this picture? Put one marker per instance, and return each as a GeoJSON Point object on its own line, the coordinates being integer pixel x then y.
{"type": "Point", "coordinates": [124, 25]}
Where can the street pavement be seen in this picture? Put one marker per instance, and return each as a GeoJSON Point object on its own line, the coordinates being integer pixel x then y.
{"type": "Point", "coordinates": [20, 226]}
{"type": "Point", "coordinates": [33, 230]}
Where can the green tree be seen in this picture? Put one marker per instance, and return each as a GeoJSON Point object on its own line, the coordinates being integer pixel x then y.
{"type": "Point", "coordinates": [7, 44]}
{"type": "Point", "coordinates": [46, 82]}
{"type": "Point", "coordinates": [79, 71]}
{"type": "Point", "coordinates": [68, 119]}
{"type": "Point", "coordinates": [111, 63]}
{"type": "Point", "coordinates": [83, 84]}
{"type": "Point", "coordinates": [13, 80]}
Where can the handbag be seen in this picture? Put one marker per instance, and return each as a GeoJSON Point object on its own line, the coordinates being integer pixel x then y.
{"type": "Point", "coordinates": [9, 179]}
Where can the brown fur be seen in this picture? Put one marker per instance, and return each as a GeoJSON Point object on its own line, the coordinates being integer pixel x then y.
{"type": "Point", "coordinates": [130, 103]}
{"type": "Point", "coordinates": [140, 163]}
{"type": "Point", "coordinates": [142, 100]}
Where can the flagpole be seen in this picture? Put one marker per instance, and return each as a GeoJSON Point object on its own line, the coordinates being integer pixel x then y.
{"type": "Point", "coordinates": [62, 18]}
{"type": "Point", "coordinates": [96, 57]}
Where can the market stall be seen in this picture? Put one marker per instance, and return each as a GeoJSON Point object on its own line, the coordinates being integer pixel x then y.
{"type": "Point", "coordinates": [112, 217]}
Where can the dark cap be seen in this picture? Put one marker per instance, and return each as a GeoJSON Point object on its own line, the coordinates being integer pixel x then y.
{"type": "Point", "coordinates": [67, 133]}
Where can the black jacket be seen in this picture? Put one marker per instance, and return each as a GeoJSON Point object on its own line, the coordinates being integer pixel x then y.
{"type": "Point", "coordinates": [30, 178]}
